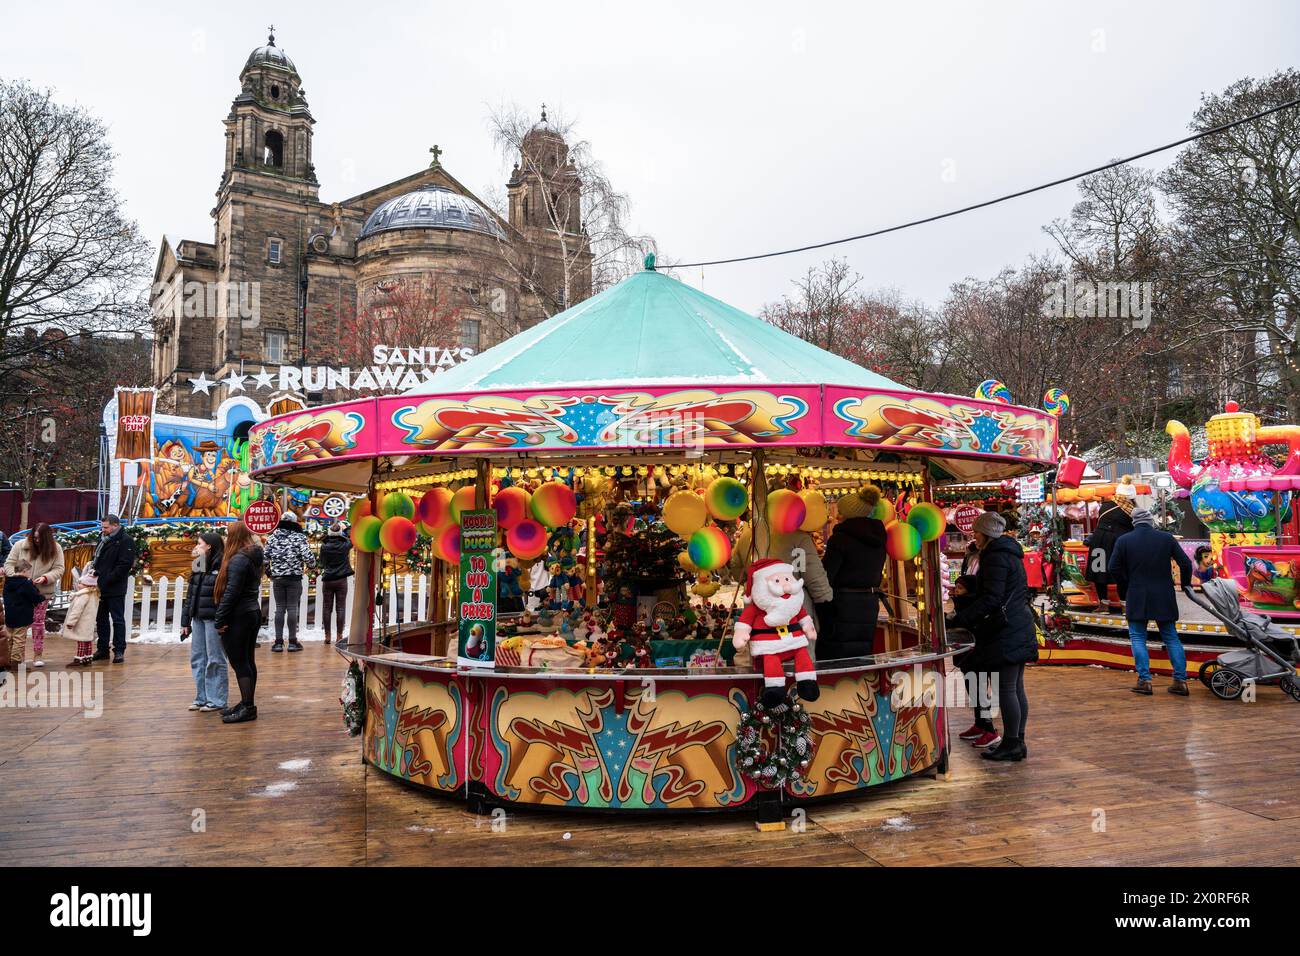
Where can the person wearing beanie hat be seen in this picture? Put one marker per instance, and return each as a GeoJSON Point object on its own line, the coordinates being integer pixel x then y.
{"type": "Point", "coordinates": [1000, 618]}
{"type": "Point", "coordinates": [1140, 564]}
{"type": "Point", "coordinates": [854, 564]}
{"type": "Point", "coordinates": [777, 628]}
{"type": "Point", "coordinates": [79, 622]}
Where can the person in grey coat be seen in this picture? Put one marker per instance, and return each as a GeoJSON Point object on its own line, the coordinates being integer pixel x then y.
{"type": "Point", "coordinates": [1140, 567]}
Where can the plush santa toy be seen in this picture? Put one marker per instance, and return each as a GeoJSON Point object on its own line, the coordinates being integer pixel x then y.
{"type": "Point", "coordinates": [778, 629]}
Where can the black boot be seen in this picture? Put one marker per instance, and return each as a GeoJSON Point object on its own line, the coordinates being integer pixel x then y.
{"type": "Point", "coordinates": [772, 696]}
{"type": "Point", "coordinates": [244, 712]}
{"type": "Point", "coordinates": [809, 690]}
{"type": "Point", "coordinates": [1011, 748]}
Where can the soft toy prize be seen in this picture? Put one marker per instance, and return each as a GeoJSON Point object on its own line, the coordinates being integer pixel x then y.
{"type": "Point", "coordinates": [778, 629]}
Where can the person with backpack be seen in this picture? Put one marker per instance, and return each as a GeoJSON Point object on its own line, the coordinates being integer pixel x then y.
{"type": "Point", "coordinates": [207, 658]}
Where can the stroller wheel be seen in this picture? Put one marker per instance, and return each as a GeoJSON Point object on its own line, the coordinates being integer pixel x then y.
{"type": "Point", "coordinates": [1225, 683]}
{"type": "Point", "coordinates": [1206, 670]}
{"type": "Point", "coordinates": [1291, 685]}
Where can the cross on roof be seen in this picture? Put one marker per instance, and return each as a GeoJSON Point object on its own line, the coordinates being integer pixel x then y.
{"type": "Point", "coordinates": [435, 163]}
{"type": "Point", "coordinates": [270, 39]}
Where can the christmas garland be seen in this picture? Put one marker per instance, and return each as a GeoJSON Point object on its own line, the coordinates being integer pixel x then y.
{"type": "Point", "coordinates": [353, 700]}
{"type": "Point", "coordinates": [789, 760]}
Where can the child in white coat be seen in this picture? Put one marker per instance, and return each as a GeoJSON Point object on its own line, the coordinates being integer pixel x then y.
{"type": "Point", "coordinates": [80, 621]}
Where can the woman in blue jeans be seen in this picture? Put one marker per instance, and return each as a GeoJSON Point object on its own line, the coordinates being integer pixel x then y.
{"type": "Point", "coordinates": [207, 659]}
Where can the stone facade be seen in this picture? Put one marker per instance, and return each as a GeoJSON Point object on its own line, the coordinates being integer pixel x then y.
{"type": "Point", "coordinates": [290, 280]}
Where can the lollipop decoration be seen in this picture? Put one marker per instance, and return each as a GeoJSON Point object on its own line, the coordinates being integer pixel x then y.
{"type": "Point", "coordinates": [994, 391]}
{"type": "Point", "coordinates": [554, 504]}
{"type": "Point", "coordinates": [902, 541]}
{"type": "Point", "coordinates": [786, 511]}
{"type": "Point", "coordinates": [527, 540]}
{"type": "Point", "coordinates": [927, 519]}
{"type": "Point", "coordinates": [1056, 401]}
{"type": "Point", "coordinates": [709, 548]}
{"type": "Point", "coordinates": [511, 505]}
{"type": "Point", "coordinates": [365, 533]}
{"type": "Point", "coordinates": [434, 510]}
{"type": "Point", "coordinates": [726, 499]}
{"type": "Point", "coordinates": [685, 513]}
{"type": "Point", "coordinates": [397, 535]}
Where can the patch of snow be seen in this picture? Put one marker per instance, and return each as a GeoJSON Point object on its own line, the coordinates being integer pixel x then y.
{"type": "Point", "coordinates": [901, 824]}
{"type": "Point", "coordinates": [297, 765]}
{"type": "Point", "coordinates": [278, 789]}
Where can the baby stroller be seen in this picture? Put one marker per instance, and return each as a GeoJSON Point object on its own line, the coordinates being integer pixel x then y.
{"type": "Point", "coordinates": [1270, 654]}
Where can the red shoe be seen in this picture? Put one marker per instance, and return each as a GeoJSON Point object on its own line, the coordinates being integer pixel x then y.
{"type": "Point", "coordinates": [974, 731]}
{"type": "Point", "coordinates": [989, 738]}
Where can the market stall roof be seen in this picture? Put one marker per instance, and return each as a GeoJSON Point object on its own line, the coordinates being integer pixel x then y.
{"type": "Point", "coordinates": [651, 330]}
{"type": "Point", "coordinates": [652, 367]}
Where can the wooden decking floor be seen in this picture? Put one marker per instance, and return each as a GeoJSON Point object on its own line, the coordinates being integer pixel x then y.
{"type": "Point", "coordinates": [1112, 779]}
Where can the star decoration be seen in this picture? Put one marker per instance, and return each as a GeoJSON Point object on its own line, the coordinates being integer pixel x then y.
{"type": "Point", "coordinates": [265, 379]}
{"type": "Point", "coordinates": [201, 384]}
{"type": "Point", "coordinates": [234, 381]}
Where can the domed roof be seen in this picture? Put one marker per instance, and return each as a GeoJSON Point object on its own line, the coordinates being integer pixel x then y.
{"type": "Point", "coordinates": [432, 207]}
{"type": "Point", "coordinates": [270, 55]}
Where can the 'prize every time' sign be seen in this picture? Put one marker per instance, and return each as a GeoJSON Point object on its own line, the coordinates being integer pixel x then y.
{"type": "Point", "coordinates": [476, 646]}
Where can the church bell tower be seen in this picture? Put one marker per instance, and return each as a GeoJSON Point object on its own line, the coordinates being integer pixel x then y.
{"type": "Point", "coordinates": [269, 127]}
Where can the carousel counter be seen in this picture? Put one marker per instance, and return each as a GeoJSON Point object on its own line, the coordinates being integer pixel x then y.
{"type": "Point", "coordinates": [649, 739]}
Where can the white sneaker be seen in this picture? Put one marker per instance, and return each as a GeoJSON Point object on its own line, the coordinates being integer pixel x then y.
{"type": "Point", "coordinates": [208, 708]}
{"type": "Point", "coordinates": [38, 663]}
{"type": "Point", "coordinates": [195, 706]}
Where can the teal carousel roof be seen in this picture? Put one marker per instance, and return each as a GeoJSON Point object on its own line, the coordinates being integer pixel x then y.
{"type": "Point", "coordinates": [651, 366]}
{"type": "Point", "coordinates": [649, 330]}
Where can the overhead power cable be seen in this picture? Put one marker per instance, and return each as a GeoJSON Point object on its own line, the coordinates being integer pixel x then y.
{"type": "Point", "coordinates": [992, 202]}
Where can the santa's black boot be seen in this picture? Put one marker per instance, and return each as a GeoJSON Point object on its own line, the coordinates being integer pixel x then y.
{"type": "Point", "coordinates": [809, 690]}
{"type": "Point", "coordinates": [773, 696]}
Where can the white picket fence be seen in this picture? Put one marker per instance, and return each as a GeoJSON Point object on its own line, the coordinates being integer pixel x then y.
{"type": "Point", "coordinates": [154, 617]}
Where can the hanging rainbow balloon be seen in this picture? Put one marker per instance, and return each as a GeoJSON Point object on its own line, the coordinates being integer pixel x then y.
{"type": "Point", "coordinates": [884, 511]}
{"type": "Point", "coordinates": [993, 390]}
{"type": "Point", "coordinates": [1056, 401]}
{"type": "Point", "coordinates": [447, 543]}
{"type": "Point", "coordinates": [396, 504]}
{"type": "Point", "coordinates": [554, 504]}
{"type": "Point", "coordinates": [462, 500]}
{"type": "Point", "coordinates": [709, 548]}
{"type": "Point", "coordinates": [365, 533]}
{"type": "Point", "coordinates": [726, 499]}
{"type": "Point", "coordinates": [816, 512]}
{"type": "Point", "coordinates": [684, 559]}
{"type": "Point", "coordinates": [527, 540]}
{"type": "Point", "coordinates": [511, 505]}
{"type": "Point", "coordinates": [685, 513]}
{"type": "Point", "coordinates": [902, 541]}
{"type": "Point", "coordinates": [785, 511]}
{"type": "Point", "coordinates": [927, 519]}
{"type": "Point", "coordinates": [397, 535]}
{"type": "Point", "coordinates": [358, 509]}
{"type": "Point", "coordinates": [434, 510]}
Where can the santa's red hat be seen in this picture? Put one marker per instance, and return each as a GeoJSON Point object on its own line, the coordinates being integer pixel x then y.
{"type": "Point", "coordinates": [764, 567]}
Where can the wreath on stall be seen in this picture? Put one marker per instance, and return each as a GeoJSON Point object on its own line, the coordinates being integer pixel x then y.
{"type": "Point", "coordinates": [353, 700]}
{"type": "Point", "coordinates": [789, 760]}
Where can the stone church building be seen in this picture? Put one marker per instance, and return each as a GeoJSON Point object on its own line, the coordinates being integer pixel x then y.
{"type": "Point", "coordinates": [290, 280]}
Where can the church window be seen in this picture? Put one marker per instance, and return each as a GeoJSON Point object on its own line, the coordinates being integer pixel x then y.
{"type": "Point", "coordinates": [275, 346]}
{"type": "Point", "coordinates": [470, 333]}
{"type": "Point", "coordinates": [275, 92]}
{"type": "Point", "coordinates": [525, 210]}
{"type": "Point", "coordinates": [273, 152]}
{"type": "Point", "coordinates": [273, 252]}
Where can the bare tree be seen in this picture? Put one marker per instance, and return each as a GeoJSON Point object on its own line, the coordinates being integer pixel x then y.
{"type": "Point", "coordinates": [573, 206]}
{"type": "Point", "coordinates": [70, 260]}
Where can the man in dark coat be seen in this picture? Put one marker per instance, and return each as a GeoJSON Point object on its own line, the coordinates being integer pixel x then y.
{"type": "Point", "coordinates": [1140, 566]}
{"type": "Point", "coordinates": [114, 559]}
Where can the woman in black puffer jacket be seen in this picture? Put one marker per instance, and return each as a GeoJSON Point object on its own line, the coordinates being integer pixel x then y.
{"type": "Point", "coordinates": [854, 563]}
{"type": "Point", "coordinates": [239, 615]}
{"type": "Point", "coordinates": [1003, 624]}
{"type": "Point", "coordinates": [207, 659]}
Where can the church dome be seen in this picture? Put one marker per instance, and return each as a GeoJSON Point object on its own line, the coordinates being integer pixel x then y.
{"type": "Point", "coordinates": [270, 55]}
{"type": "Point", "coordinates": [432, 207]}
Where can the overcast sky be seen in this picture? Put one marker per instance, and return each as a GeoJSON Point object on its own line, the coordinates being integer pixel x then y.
{"type": "Point", "coordinates": [735, 128]}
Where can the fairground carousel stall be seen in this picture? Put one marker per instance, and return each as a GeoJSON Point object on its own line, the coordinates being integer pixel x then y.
{"type": "Point", "coordinates": [588, 493]}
